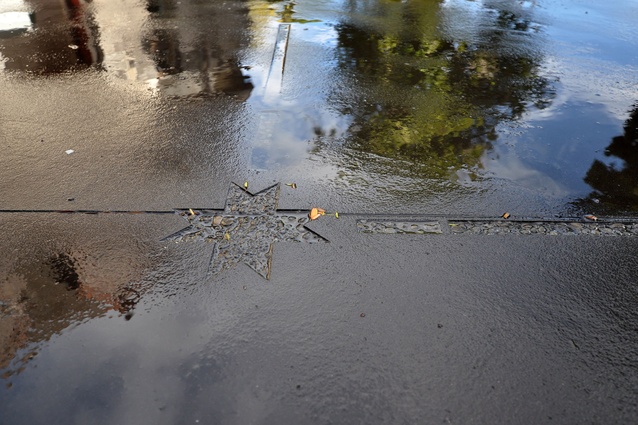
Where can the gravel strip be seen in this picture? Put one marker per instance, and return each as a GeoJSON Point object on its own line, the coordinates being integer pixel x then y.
{"type": "Point", "coordinates": [499, 227]}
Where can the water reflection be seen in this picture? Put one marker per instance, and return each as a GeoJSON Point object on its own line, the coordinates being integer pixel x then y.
{"type": "Point", "coordinates": [616, 184]}
{"type": "Point", "coordinates": [13, 23]}
{"type": "Point", "coordinates": [434, 95]}
{"type": "Point", "coordinates": [53, 282]}
{"type": "Point", "coordinates": [177, 51]}
{"type": "Point", "coordinates": [192, 56]}
{"type": "Point", "coordinates": [47, 295]}
{"type": "Point", "coordinates": [39, 300]}
{"type": "Point", "coordinates": [288, 12]}
{"type": "Point", "coordinates": [291, 115]}
{"type": "Point", "coordinates": [62, 36]}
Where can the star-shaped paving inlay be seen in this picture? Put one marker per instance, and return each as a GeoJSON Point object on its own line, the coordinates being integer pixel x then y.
{"type": "Point", "coordinates": [247, 228]}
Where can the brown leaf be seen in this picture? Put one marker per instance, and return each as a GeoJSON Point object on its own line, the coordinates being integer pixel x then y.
{"type": "Point", "coordinates": [506, 215]}
{"type": "Point", "coordinates": [591, 217]}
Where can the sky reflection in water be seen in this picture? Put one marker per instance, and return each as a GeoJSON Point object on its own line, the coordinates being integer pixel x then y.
{"type": "Point", "coordinates": [486, 93]}
{"type": "Point", "coordinates": [417, 104]}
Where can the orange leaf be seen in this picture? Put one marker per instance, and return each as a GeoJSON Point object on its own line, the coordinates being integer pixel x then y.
{"type": "Point", "coordinates": [315, 213]}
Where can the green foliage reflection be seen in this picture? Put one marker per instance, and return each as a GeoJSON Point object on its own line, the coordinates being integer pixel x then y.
{"type": "Point", "coordinates": [616, 188]}
{"type": "Point", "coordinates": [431, 98]}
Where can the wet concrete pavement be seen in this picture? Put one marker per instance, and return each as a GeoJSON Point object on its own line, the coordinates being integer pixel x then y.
{"type": "Point", "coordinates": [117, 312]}
{"type": "Point", "coordinates": [368, 328]}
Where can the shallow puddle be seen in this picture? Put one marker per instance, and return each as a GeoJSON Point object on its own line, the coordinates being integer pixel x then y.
{"type": "Point", "coordinates": [459, 111]}
{"type": "Point", "coordinates": [530, 103]}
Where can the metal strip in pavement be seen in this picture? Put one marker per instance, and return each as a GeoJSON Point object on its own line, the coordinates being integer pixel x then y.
{"type": "Point", "coordinates": [62, 211]}
{"type": "Point", "coordinates": [276, 72]}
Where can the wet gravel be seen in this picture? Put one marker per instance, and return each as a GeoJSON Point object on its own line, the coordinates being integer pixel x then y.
{"type": "Point", "coordinates": [499, 227]}
{"type": "Point", "coordinates": [543, 228]}
{"type": "Point", "coordinates": [393, 227]}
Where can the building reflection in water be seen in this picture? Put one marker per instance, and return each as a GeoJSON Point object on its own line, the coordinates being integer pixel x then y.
{"type": "Point", "coordinates": [47, 294]}
{"type": "Point", "coordinates": [167, 44]}
{"type": "Point", "coordinates": [66, 269]}
{"type": "Point", "coordinates": [194, 57]}
{"type": "Point", "coordinates": [61, 36]}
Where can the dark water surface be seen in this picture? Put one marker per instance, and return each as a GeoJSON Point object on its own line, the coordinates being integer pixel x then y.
{"type": "Point", "coordinates": [444, 107]}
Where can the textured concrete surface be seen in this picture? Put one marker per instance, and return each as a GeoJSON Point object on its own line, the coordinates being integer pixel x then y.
{"type": "Point", "coordinates": [369, 328]}
{"type": "Point", "coordinates": [170, 300]}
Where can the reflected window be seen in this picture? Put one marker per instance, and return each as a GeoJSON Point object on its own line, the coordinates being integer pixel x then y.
{"type": "Point", "coordinates": [11, 21]}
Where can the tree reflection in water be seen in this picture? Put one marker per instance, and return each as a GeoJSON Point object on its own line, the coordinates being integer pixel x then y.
{"type": "Point", "coordinates": [436, 98]}
{"type": "Point", "coordinates": [616, 187]}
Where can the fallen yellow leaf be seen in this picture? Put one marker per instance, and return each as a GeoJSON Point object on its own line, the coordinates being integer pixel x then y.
{"type": "Point", "coordinates": [293, 185]}
{"type": "Point", "coordinates": [506, 215]}
{"type": "Point", "coordinates": [246, 185]}
{"type": "Point", "coordinates": [191, 210]}
{"type": "Point", "coordinates": [315, 213]}
{"type": "Point", "coordinates": [227, 236]}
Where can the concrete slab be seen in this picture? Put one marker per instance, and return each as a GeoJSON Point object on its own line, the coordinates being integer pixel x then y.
{"type": "Point", "coordinates": [418, 304]}
{"type": "Point", "coordinates": [369, 328]}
